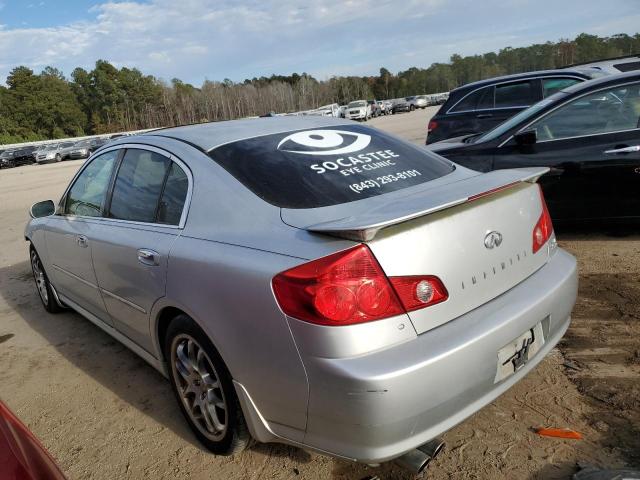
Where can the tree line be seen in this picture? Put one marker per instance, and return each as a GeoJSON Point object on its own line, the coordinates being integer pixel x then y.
{"type": "Point", "coordinates": [106, 99]}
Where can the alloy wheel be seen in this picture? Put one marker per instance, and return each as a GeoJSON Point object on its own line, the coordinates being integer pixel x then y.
{"type": "Point", "coordinates": [39, 277]}
{"type": "Point", "coordinates": [199, 387]}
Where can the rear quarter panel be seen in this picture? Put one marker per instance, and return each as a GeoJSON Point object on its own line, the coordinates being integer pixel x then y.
{"type": "Point", "coordinates": [227, 290]}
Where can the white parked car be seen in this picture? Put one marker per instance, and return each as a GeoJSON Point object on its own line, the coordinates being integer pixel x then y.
{"type": "Point", "coordinates": [358, 110]}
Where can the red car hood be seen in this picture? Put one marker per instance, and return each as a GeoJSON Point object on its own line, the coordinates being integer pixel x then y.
{"type": "Point", "coordinates": [22, 456]}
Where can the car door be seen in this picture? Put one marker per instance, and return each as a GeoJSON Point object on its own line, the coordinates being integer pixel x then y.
{"type": "Point", "coordinates": [131, 247]}
{"type": "Point", "coordinates": [592, 145]}
{"type": "Point", "coordinates": [469, 115]}
{"type": "Point", "coordinates": [69, 235]}
{"type": "Point", "coordinates": [511, 98]}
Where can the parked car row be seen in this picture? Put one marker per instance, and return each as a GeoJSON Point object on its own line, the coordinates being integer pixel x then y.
{"type": "Point", "coordinates": [357, 110]}
{"type": "Point", "coordinates": [52, 152]}
{"type": "Point", "coordinates": [16, 157]}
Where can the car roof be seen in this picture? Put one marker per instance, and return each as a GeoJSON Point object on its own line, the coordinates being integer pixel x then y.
{"type": "Point", "coordinates": [606, 61]}
{"type": "Point", "coordinates": [207, 136]}
{"type": "Point", "coordinates": [596, 83]}
{"type": "Point", "coordinates": [586, 73]}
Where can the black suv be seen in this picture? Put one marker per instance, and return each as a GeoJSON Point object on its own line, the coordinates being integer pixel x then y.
{"type": "Point", "coordinates": [480, 106]}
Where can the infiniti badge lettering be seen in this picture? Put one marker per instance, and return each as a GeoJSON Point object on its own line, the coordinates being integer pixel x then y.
{"type": "Point", "coordinates": [492, 239]}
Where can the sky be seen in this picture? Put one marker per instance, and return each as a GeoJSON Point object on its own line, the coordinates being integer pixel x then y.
{"type": "Point", "coordinates": [196, 40]}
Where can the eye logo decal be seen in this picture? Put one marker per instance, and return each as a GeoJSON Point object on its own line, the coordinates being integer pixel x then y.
{"type": "Point", "coordinates": [324, 142]}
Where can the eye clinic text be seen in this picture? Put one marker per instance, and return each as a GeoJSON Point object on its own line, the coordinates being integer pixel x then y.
{"type": "Point", "coordinates": [357, 164]}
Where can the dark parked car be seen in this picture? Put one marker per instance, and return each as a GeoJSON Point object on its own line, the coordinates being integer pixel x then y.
{"type": "Point", "coordinates": [25, 155]}
{"type": "Point", "coordinates": [14, 157]}
{"type": "Point", "coordinates": [479, 106]}
{"type": "Point", "coordinates": [6, 159]}
{"type": "Point", "coordinates": [401, 106]}
{"type": "Point", "coordinates": [587, 134]}
{"type": "Point", "coordinates": [96, 143]}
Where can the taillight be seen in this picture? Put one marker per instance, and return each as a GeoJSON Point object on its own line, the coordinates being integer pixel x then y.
{"type": "Point", "coordinates": [419, 291]}
{"type": "Point", "coordinates": [544, 228]}
{"type": "Point", "coordinates": [432, 125]}
{"type": "Point", "coordinates": [350, 287]}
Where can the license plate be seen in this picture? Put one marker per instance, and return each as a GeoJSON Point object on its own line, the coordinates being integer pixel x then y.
{"type": "Point", "coordinates": [515, 355]}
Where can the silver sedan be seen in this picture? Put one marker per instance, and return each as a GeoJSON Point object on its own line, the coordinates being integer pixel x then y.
{"type": "Point", "coordinates": [309, 280]}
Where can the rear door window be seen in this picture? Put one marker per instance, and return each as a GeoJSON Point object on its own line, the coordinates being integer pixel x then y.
{"type": "Point", "coordinates": [138, 186]}
{"type": "Point", "coordinates": [173, 196]}
{"type": "Point", "coordinates": [481, 99]}
{"type": "Point", "coordinates": [515, 94]}
{"type": "Point", "coordinates": [327, 166]}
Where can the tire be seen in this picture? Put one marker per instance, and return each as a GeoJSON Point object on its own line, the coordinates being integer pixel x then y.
{"type": "Point", "coordinates": [412, 108]}
{"type": "Point", "coordinates": [58, 157]}
{"type": "Point", "coordinates": [45, 292]}
{"type": "Point", "coordinates": [213, 389]}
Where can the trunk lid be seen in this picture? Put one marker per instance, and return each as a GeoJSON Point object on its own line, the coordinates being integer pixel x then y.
{"type": "Point", "coordinates": [441, 231]}
{"type": "Point", "coordinates": [450, 244]}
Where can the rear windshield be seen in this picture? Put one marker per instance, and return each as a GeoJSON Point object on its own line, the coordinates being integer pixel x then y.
{"type": "Point", "coordinates": [328, 166]}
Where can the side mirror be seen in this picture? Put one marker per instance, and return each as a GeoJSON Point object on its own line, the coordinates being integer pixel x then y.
{"type": "Point", "coordinates": [42, 209]}
{"type": "Point", "coordinates": [526, 138]}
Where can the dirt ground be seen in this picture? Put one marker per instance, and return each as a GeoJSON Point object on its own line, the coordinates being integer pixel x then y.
{"type": "Point", "coordinates": [103, 413]}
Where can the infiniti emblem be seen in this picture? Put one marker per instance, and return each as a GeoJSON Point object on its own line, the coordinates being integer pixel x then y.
{"type": "Point", "coordinates": [492, 239]}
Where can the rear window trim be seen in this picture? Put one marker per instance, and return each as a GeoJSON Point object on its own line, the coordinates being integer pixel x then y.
{"type": "Point", "coordinates": [211, 154]}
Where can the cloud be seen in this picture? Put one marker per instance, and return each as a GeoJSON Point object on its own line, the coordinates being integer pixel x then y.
{"type": "Point", "coordinates": [215, 39]}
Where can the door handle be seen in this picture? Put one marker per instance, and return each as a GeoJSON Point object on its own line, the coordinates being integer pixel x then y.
{"type": "Point", "coordinates": [82, 241]}
{"type": "Point", "coordinates": [634, 148]}
{"type": "Point", "coordinates": [484, 115]}
{"type": "Point", "coordinates": [148, 257]}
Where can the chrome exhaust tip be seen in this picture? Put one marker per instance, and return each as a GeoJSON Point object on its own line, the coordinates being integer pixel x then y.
{"type": "Point", "coordinates": [432, 448]}
{"type": "Point", "coordinates": [418, 459]}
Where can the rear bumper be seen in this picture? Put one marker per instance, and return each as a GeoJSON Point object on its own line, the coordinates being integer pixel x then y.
{"type": "Point", "coordinates": [377, 406]}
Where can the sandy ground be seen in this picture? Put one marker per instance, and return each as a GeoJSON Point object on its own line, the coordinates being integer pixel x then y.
{"type": "Point", "coordinates": [105, 414]}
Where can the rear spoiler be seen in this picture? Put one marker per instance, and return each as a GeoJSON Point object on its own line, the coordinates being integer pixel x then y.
{"type": "Point", "coordinates": [366, 224]}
